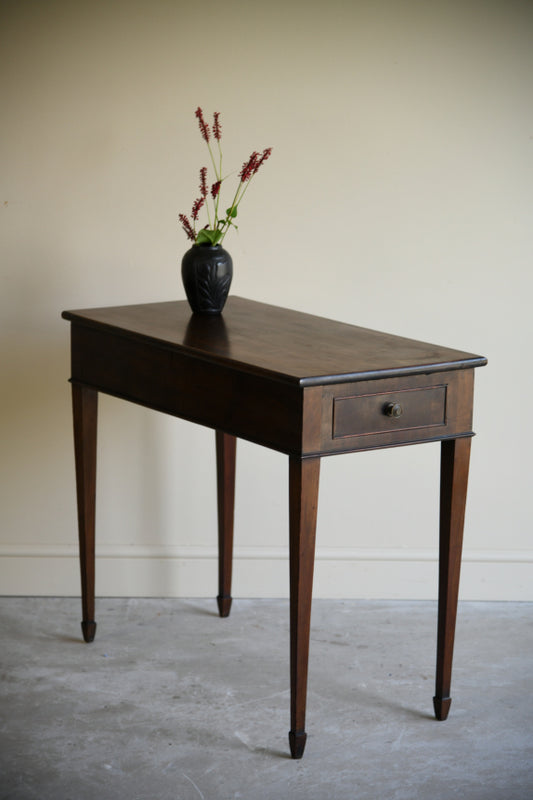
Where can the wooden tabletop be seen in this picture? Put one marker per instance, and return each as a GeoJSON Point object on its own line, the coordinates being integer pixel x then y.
{"type": "Point", "coordinates": [288, 345]}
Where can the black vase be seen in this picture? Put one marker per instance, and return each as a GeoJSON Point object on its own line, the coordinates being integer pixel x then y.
{"type": "Point", "coordinates": [206, 271]}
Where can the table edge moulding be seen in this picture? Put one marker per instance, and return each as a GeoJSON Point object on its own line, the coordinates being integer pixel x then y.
{"type": "Point", "coordinates": [302, 385]}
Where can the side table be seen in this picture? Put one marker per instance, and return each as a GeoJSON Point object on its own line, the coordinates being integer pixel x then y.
{"type": "Point", "coordinates": [300, 384]}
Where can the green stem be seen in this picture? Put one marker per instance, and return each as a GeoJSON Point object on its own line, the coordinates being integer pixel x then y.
{"type": "Point", "coordinates": [217, 199]}
{"type": "Point", "coordinates": [227, 222]}
{"type": "Point", "coordinates": [236, 200]}
{"type": "Point", "coordinates": [207, 209]}
{"type": "Point", "coordinates": [213, 162]}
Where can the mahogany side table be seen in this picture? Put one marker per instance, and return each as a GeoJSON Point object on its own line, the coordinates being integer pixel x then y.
{"type": "Point", "coordinates": [302, 385]}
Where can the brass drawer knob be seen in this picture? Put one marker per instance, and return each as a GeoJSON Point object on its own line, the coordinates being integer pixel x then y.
{"type": "Point", "coordinates": [393, 410]}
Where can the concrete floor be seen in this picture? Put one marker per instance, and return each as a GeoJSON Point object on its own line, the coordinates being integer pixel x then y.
{"type": "Point", "coordinates": [172, 703]}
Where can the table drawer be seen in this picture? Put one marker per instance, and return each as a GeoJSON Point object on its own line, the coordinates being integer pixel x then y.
{"type": "Point", "coordinates": [362, 415]}
{"type": "Point", "coordinates": [380, 412]}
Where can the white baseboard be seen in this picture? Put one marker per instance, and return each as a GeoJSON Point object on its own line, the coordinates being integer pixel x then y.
{"type": "Point", "coordinates": [146, 571]}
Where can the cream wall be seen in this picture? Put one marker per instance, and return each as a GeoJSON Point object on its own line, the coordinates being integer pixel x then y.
{"type": "Point", "coordinates": [398, 196]}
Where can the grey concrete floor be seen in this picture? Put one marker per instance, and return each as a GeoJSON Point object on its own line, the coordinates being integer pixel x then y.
{"type": "Point", "coordinates": [172, 703]}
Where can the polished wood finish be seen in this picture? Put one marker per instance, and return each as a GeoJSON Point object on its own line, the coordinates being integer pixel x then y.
{"type": "Point", "coordinates": [180, 382]}
{"type": "Point", "coordinates": [274, 341]}
{"type": "Point", "coordinates": [85, 412]}
{"type": "Point", "coordinates": [303, 505]}
{"type": "Point", "coordinates": [435, 407]}
{"type": "Point", "coordinates": [305, 386]}
{"type": "Point", "coordinates": [386, 410]}
{"type": "Point", "coordinates": [455, 459]}
{"type": "Point", "coordinates": [226, 454]}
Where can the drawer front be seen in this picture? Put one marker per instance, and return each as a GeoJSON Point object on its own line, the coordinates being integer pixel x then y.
{"type": "Point", "coordinates": [391, 411]}
{"type": "Point", "coordinates": [379, 412]}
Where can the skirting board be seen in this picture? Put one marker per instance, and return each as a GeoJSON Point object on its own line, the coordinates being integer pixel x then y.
{"type": "Point", "coordinates": [144, 571]}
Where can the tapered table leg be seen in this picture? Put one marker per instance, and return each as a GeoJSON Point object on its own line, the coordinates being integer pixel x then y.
{"type": "Point", "coordinates": [303, 502]}
{"type": "Point", "coordinates": [226, 453]}
{"type": "Point", "coordinates": [455, 458]}
{"type": "Point", "coordinates": [85, 408]}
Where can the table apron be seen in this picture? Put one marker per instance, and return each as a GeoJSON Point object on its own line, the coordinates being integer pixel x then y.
{"type": "Point", "coordinates": [265, 411]}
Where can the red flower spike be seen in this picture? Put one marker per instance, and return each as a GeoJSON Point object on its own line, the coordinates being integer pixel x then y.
{"type": "Point", "coordinates": [217, 132]}
{"type": "Point", "coordinates": [197, 205]}
{"type": "Point", "coordinates": [203, 181]}
{"type": "Point", "coordinates": [215, 189]}
{"type": "Point", "coordinates": [266, 154]}
{"type": "Point", "coordinates": [204, 127]}
{"type": "Point", "coordinates": [187, 227]}
{"type": "Point", "coordinates": [248, 168]}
